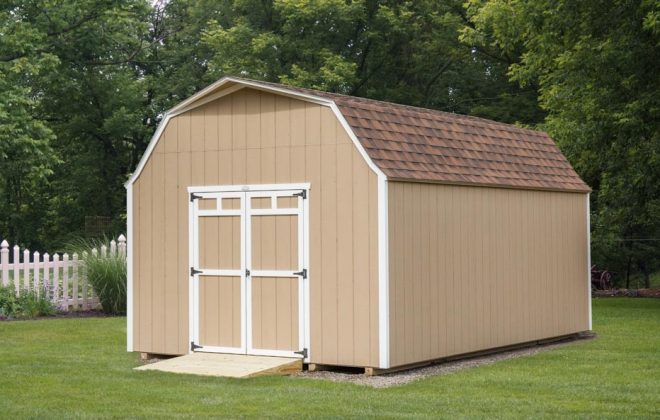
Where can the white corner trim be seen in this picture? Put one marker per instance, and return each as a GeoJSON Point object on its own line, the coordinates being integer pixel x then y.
{"type": "Point", "coordinates": [129, 267]}
{"type": "Point", "coordinates": [383, 276]}
{"type": "Point", "coordinates": [589, 257]}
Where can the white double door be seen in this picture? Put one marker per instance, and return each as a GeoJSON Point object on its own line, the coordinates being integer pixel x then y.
{"type": "Point", "coordinates": [248, 272]}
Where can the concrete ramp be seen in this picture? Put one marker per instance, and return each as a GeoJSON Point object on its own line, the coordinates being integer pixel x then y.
{"type": "Point", "coordinates": [227, 365]}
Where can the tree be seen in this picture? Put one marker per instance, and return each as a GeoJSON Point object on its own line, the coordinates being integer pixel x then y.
{"type": "Point", "coordinates": [595, 64]}
{"type": "Point", "coordinates": [406, 52]}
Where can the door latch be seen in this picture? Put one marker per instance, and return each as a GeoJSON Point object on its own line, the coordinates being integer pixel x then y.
{"type": "Point", "coordinates": [247, 273]}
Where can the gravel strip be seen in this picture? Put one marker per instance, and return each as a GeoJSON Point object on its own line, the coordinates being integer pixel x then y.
{"type": "Point", "coordinates": [410, 375]}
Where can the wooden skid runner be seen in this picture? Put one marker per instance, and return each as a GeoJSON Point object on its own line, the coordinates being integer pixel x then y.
{"type": "Point", "coordinates": [227, 365]}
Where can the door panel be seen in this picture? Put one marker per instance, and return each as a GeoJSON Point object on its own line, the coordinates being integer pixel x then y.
{"type": "Point", "coordinates": [275, 242]}
{"type": "Point", "coordinates": [220, 242]}
{"type": "Point", "coordinates": [220, 311]}
{"type": "Point", "coordinates": [275, 315]}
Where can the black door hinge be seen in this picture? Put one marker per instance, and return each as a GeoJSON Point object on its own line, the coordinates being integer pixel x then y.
{"type": "Point", "coordinates": [302, 273]}
{"type": "Point", "coordinates": [302, 194]}
{"type": "Point", "coordinates": [302, 352]}
{"type": "Point", "coordinates": [194, 346]}
{"type": "Point", "coordinates": [193, 271]}
{"type": "Point", "coordinates": [194, 196]}
{"type": "Point", "coordinates": [247, 273]}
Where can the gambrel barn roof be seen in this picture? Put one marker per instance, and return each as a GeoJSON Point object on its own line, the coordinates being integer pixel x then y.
{"type": "Point", "coordinates": [424, 145]}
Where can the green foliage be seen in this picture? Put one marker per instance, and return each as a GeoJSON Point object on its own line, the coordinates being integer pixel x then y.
{"type": "Point", "coordinates": [106, 274]}
{"type": "Point", "coordinates": [596, 67]}
{"type": "Point", "coordinates": [28, 304]}
{"type": "Point", "coordinates": [84, 83]}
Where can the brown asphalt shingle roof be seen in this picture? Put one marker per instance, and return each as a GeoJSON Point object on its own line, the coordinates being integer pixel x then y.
{"type": "Point", "coordinates": [418, 144]}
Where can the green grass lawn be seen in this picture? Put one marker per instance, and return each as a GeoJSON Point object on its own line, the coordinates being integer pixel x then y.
{"type": "Point", "coordinates": [78, 368]}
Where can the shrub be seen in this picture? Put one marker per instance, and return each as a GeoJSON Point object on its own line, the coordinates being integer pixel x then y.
{"type": "Point", "coordinates": [106, 274]}
{"type": "Point", "coordinates": [26, 305]}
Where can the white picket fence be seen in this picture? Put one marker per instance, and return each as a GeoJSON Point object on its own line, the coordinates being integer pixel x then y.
{"type": "Point", "coordinates": [63, 278]}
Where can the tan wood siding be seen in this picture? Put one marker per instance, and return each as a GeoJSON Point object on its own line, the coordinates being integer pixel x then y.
{"type": "Point", "coordinates": [220, 311]}
{"type": "Point", "coordinates": [260, 138]}
{"type": "Point", "coordinates": [473, 268]}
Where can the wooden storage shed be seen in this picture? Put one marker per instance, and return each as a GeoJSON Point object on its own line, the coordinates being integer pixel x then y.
{"type": "Point", "coordinates": [272, 220]}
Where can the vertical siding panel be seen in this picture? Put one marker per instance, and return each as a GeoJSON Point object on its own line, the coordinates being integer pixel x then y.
{"type": "Point", "coordinates": [158, 253]}
{"type": "Point", "coordinates": [525, 256]}
{"type": "Point", "coordinates": [489, 247]}
{"type": "Point", "coordinates": [225, 167]}
{"type": "Point", "coordinates": [373, 271]}
{"type": "Point", "coordinates": [138, 257]}
{"type": "Point", "coordinates": [211, 167]}
{"type": "Point", "coordinates": [480, 285]}
{"type": "Point", "coordinates": [183, 132]}
{"type": "Point", "coordinates": [267, 121]}
{"type": "Point", "coordinates": [253, 169]}
{"type": "Point", "coordinates": [211, 139]}
{"type": "Point", "coordinates": [316, 277]}
{"type": "Point", "coordinates": [169, 142]}
{"type": "Point", "coordinates": [444, 276]}
{"type": "Point", "coordinates": [450, 289]}
{"type": "Point", "coordinates": [184, 178]}
{"type": "Point", "coordinates": [312, 124]}
{"type": "Point", "coordinates": [170, 261]}
{"type": "Point", "coordinates": [473, 254]}
{"type": "Point", "coordinates": [298, 118]}
{"type": "Point", "coordinates": [253, 119]}
{"type": "Point", "coordinates": [329, 260]}
{"type": "Point", "coordinates": [197, 130]}
{"type": "Point", "coordinates": [282, 122]}
{"type": "Point", "coordinates": [238, 120]}
{"type": "Point", "coordinates": [425, 305]}
{"type": "Point", "coordinates": [344, 203]}
{"type": "Point", "coordinates": [147, 261]}
{"type": "Point", "coordinates": [224, 123]}
{"type": "Point", "coordinates": [253, 140]}
{"type": "Point", "coordinates": [267, 127]}
{"type": "Point", "coordinates": [239, 167]}
{"type": "Point", "coordinates": [432, 251]}
{"type": "Point", "coordinates": [360, 261]}
{"type": "Point", "coordinates": [407, 286]}
{"type": "Point", "coordinates": [298, 168]}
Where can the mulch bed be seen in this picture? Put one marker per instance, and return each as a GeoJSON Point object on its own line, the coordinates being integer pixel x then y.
{"type": "Point", "coordinates": [648, 293]}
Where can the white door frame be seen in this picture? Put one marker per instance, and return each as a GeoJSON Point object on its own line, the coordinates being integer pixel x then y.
{"type": "Point", "coordinates": [243, 192]}
{"type": "Point", "coordinates": [202, 271]}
